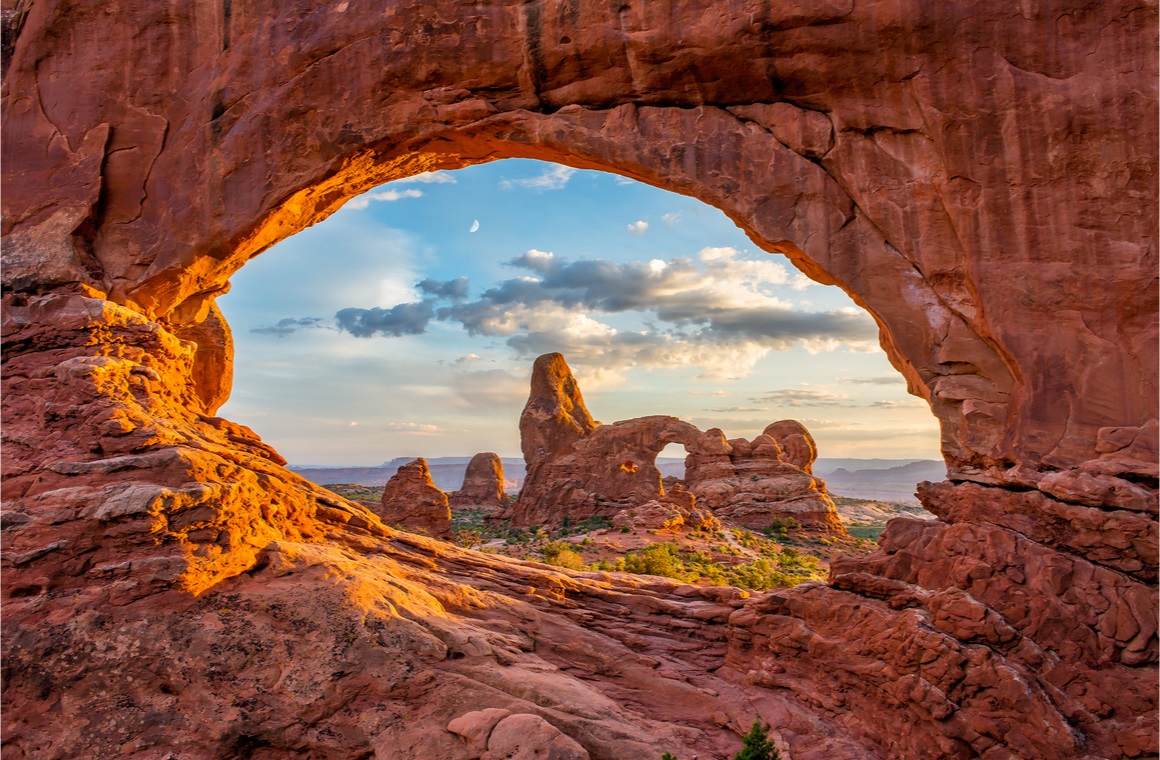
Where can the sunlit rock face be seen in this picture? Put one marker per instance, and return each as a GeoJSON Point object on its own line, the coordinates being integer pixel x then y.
{"type": "Point", "coordinates": [482, 484]}
{"type": "Point", "coordinates": [411, 501]}
{"type": "Point", "coordinates": [585, 469]}
{"type": "Point", "coordinates": [980, 177]}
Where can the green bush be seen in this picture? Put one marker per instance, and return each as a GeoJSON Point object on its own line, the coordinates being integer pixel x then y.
{"type": "Point", "coordinates": [656, 559]}
{"type": "Point", "coordinates": [756, 745]}
{"type": "Point", "coordinates": [597, 523]}
{"type": "Point", "coordinates": [561, 554]}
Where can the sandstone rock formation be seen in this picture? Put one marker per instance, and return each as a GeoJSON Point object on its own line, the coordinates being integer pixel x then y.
{"type": "Point", "coordinates": [482, 483]}
{"type": "Point", "coordinates": [666, 515]}
{"type": "Point", "coordinates": [411, 501]}
{"type": "Point", "coordinates": [980, 178]}
{"type": "Point", "coordinates": [591, 469]}
{"type": "Point", "coordinates": [496, 734]}
{"type": "Point", "coordinates": [756, 483]}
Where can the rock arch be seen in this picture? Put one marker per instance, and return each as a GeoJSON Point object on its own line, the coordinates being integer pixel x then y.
{"type": "Point", "coordinates": [967, 176]}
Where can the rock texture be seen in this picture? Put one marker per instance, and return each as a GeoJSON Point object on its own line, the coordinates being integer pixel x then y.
{"type": "Point", "coordinates": [482, 484]}
{"type": "Point", "coordinates": [981, 178]}
{"type": "Point", "coordinates": [411, 501]}
{"type": "Point", "coordinates": [584, 469]}
{"type": "Point", "coordinates": [755, 483]}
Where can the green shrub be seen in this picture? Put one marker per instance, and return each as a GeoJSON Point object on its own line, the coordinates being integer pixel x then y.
{"type": "Point", "coordinates": [597, 523]}
{"type": "Point", "coordinates": [561, 554]}
{"type": "Point", "coordinates": [656, 559]}
{"type": "Point", "coordinates": [756, 745]}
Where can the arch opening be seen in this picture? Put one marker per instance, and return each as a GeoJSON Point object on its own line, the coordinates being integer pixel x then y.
{"type": "Point", "coordinates": [399, 282]}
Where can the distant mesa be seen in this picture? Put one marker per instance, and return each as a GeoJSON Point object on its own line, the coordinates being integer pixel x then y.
{"type": "Point", "coordinates": [411, 501]}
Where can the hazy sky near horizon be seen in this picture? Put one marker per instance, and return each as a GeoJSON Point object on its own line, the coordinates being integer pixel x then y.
{"type": "Point", "coordinates": [406, 324]}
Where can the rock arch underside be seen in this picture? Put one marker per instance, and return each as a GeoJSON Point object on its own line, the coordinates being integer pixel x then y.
{"type": "Point", "coordinates": [980, 177]}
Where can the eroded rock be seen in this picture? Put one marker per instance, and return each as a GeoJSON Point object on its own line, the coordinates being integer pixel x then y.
{"type": "Point", "coordinates": [608, 469]}
{"type": "Point", "coordinates": [483, 484]}
{"type": "Point", "coordinates": [411, 501]}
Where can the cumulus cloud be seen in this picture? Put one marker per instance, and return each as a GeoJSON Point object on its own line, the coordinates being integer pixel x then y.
{"type": "Point", "coordinates": [638, 228]}
{"type": "Point", "coordinates": [455, 290]}
{"type": "Point", "coordinates": [365, 199]}
{"type": "Point", "coordinates": [717, 312]}
{"type": "Point", "coordinates": [719, 295]}
{"type": "Point", "coordinates": [552, 178]}
{"type": "Point", "coordinates": [403, 319]}
{"type": "Point", "coordinates": [796, 397]}
{"type": "Point", "coordinates": [288, 326]}
{"type": "Point", "coordinates": [467, 359]}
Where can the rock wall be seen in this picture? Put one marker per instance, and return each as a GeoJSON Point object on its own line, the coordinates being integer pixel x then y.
{"type": "Point", "coordinates": [981, 178]}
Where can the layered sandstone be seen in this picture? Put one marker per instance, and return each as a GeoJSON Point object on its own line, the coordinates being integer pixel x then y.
{"type": "Point", "coordinates": [586, 470]}
{"type": "Point", "coordinates": [762, 482]}
{"type": "Point", "coordinates": [411, 501]}
{"type": "Point", "coordinates": [981, 179]}
{"type": "Point", "coordinates": [482, 484]}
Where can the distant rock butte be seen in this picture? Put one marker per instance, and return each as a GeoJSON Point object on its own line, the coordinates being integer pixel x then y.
{"type": "Point", "coordinates": [411, 501]}
{"type": "Point", "coordinates": [483, 483]}
{"type": "Point", "coordinates": [579, 468]}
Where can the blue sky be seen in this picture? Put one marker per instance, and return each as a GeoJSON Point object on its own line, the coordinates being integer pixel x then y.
{"type": "Point", "coordinates": [406, 324]}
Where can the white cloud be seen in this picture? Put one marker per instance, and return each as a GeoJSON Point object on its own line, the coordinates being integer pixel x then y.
{"type": "Point", "coordinates": [712, 255]}
{"type": "Point", "coordinates": [552, 178]}
{"type": "Point", "coordinates": [638, 228]}
{"type": "Point", "coordinates": [491, 389]}
{"type": "Point", "coordinates": [414, 427]}
{"type": "Point", "coordinates": [365, 199]}
{"type": "Point", "coordinates": [466, 359]}
{"type": "Point", "coordinates": [671, 218]}
{"type": "Point", "coordinates": [796, 397]}
{"type": "Point", "coordinates": [428, 178]}
{"type": "Point", "coordinates": [910, 403]}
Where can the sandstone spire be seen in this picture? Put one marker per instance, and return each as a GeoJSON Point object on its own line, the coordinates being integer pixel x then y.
{"type": "Point", "coordinates": [482, 483]}
{"type": "Point", "coordinates": [411, 500]}
{"type": "Point", "coordinates": [555, 416]}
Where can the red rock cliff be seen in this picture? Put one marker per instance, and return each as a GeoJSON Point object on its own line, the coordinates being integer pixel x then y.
{"type": "Point", "coordinates": [980, 177]}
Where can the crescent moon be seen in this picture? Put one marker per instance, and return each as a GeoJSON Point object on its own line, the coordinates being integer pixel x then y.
{"type": "Point", "coordinates": [474, 226]}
